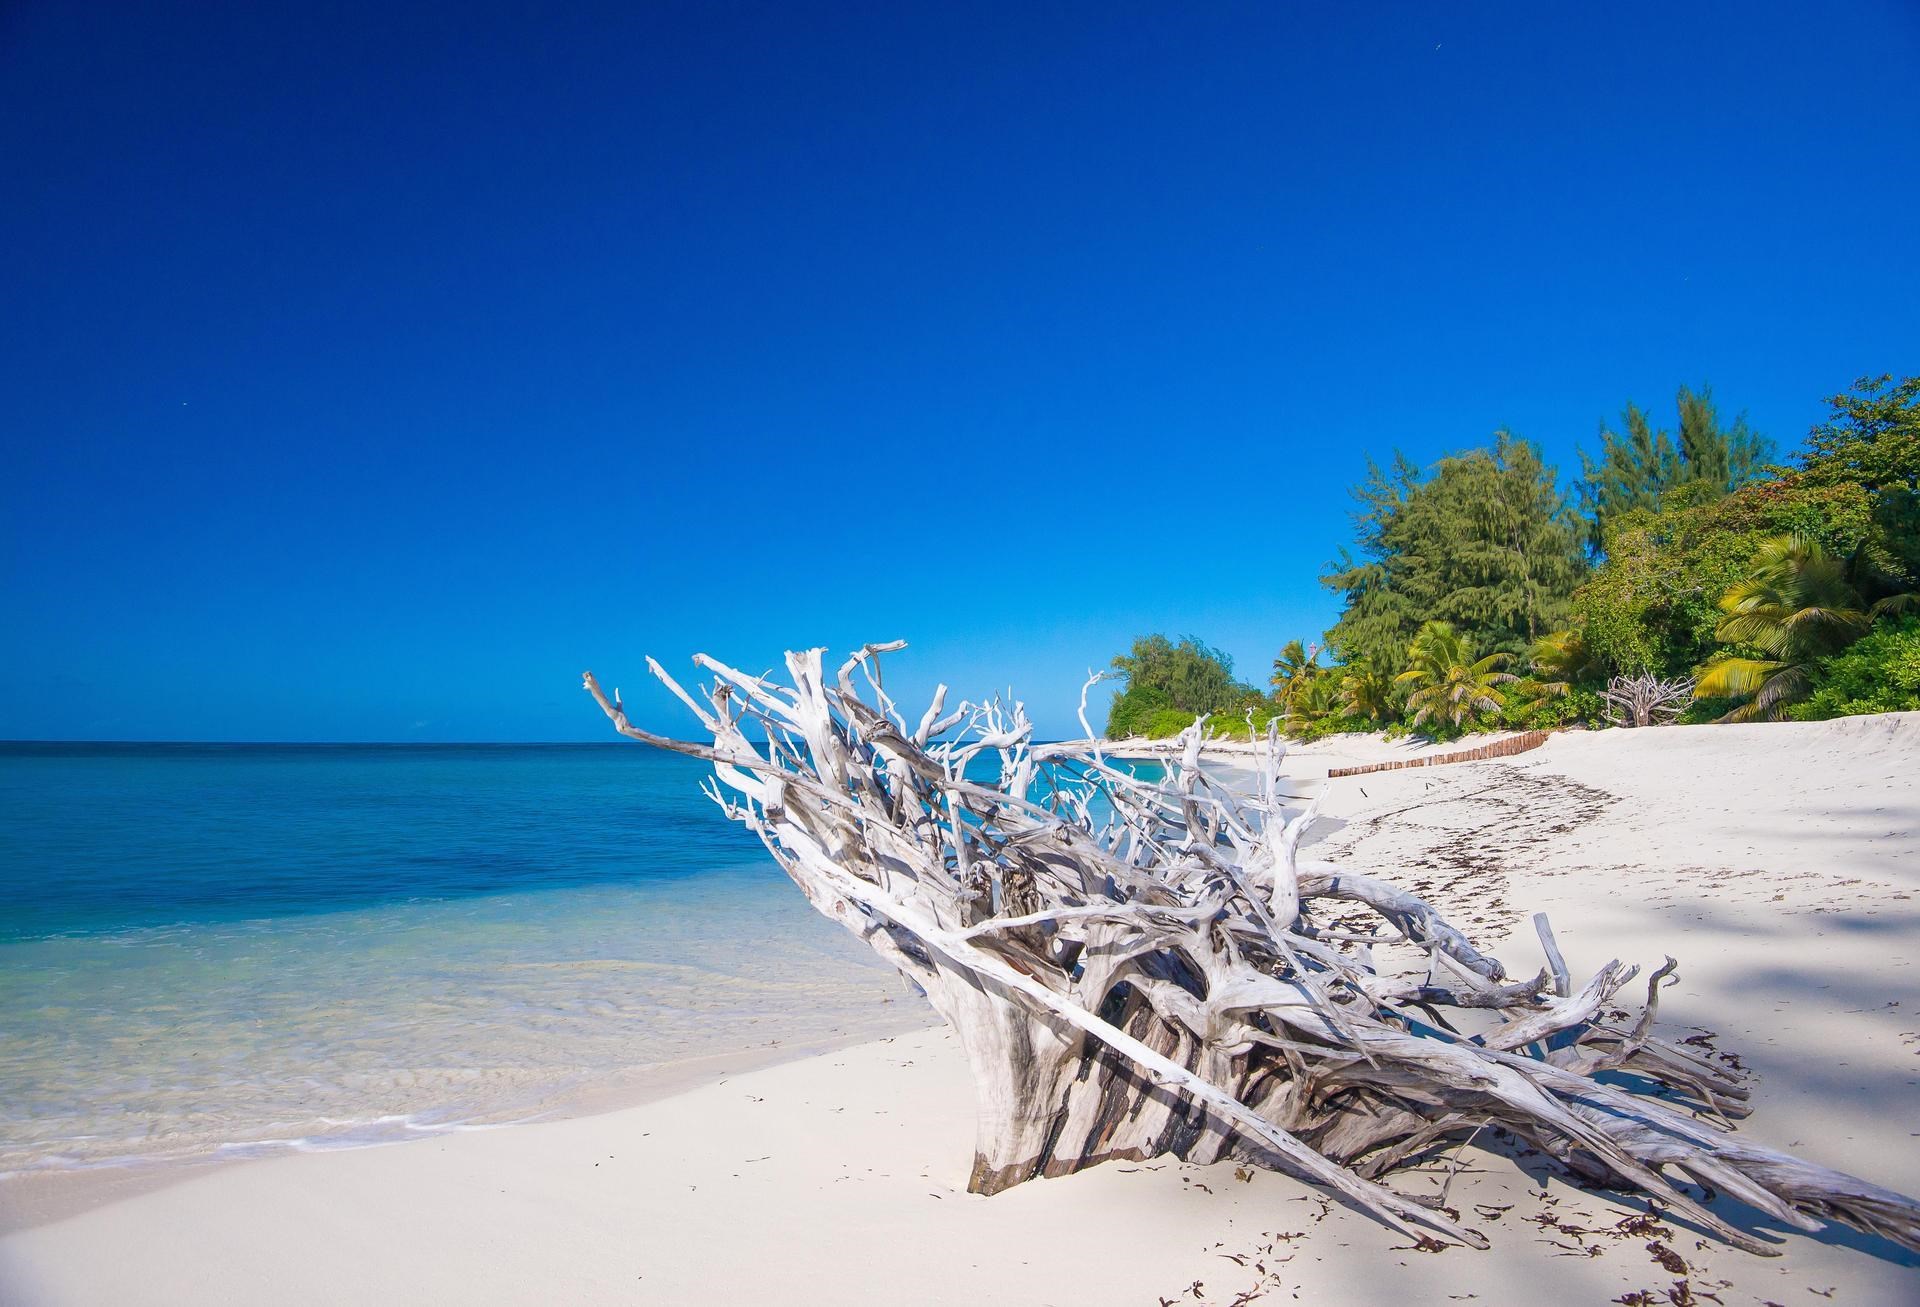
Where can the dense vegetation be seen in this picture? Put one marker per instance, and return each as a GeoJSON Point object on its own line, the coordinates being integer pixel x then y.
{"type": "Point", "coordinates": [1169, 684]}
{"type": "Point", "coordinates": [1480, 594]}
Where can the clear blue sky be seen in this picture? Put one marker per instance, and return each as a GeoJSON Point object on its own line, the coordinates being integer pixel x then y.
{"type": "Point", "coordinates": [367, 373]}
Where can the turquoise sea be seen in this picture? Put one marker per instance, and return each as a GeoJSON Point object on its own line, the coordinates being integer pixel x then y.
{"type": "Point", "coordinates": [228, 949]}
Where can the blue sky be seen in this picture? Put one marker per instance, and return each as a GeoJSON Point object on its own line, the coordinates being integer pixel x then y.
{"type": "Point", "coordinates": [367, 374]}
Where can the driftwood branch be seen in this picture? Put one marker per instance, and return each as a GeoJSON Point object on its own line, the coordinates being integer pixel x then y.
{"type": "Point", "coordinates": [1140, 966]}
{"type": "Point", "coordinates": [1646, 700]}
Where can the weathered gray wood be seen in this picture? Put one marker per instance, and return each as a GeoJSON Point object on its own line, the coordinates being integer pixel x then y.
{"type": "Point", "coordinates": [1562, 979]}
{"type": "Point", "coordinates": [1646, 700]}
{"type": "Point", "coordinates": [1138, 967]}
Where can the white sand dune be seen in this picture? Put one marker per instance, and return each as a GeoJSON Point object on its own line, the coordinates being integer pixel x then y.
{"type": "Point", "coordinates": [1779, 864]}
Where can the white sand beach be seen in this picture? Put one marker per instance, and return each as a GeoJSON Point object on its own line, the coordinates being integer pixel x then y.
{"type": "Point", "coordinates": [1780, 864]}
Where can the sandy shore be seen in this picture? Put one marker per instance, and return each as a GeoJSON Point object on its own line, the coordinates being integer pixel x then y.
{"type": "Point", "coordinates": [1779, 864]}
{"type": "Point", "coordinates": [1308, 759]}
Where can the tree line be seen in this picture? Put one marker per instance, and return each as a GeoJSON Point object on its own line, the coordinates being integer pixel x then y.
{"type": "Point", "coordinates": [1479, 594]}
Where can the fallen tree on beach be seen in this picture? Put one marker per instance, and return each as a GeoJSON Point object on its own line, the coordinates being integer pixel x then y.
{"type": "Point", "coordinates": [1144, 964]}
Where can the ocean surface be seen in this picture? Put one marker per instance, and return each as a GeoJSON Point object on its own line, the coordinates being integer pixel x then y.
{"type": "Point", "coordinates": [215, 950]}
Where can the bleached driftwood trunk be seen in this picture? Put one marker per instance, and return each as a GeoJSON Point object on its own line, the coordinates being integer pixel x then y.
{"type": "Point", "coordinates": [1139, 966]}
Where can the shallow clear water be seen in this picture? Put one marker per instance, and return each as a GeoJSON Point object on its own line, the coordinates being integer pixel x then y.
{"type": "Point", "coordinates": [237, 948]}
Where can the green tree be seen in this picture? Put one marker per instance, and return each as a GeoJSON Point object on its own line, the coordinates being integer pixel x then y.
{"type": "Point", "coordinates": [1367, 692]}
{"type": "Point", "coordinates": [1652, 605]}
{"type": "Point", "coordinates": [1194, 678]}
{"type": "Point", "coordinates": [1314, 705]}
{"type": "Point", "coordinates": [1133, 708]}
{"type": "Point", "coordinates": [1487, 543]}
{"type": "Point", "coordinates": [1378, 615]}
{"type": "Point", "coordinates": [1185, 679]}
{"type": "Point", "coordinates": [1296, 667]}
{"type": "Point", "coordinates": [1872, 434]}
{"type": "Point", "coordinates": [1795, 607]}
{"type": "Point", "coordinates": [1639, 467]}
{"type": "Point", "coordinates": [1448, 686]}
{"type": "Point", "coordinates": [1871, 439]}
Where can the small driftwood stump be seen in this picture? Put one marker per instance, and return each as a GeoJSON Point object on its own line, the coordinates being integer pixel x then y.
{"type": "Point", "coordinates": [1646, 700]}
{"type": "Point", "coordinates": [1140, 966]}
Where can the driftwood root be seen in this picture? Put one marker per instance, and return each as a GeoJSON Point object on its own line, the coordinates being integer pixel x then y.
{"type": "Point", "coordinates": [1142, 964]}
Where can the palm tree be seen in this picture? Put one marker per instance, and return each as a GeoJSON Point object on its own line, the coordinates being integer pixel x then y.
{"type": "Point", "coordinates": [1561, 658]}
{"type": "Point", "coordinates": [1366, 691]}
{"type": "Point", "coordinates": [1796, 607]}
{"type": "Point", "coordinates": [1315, 699]}
{"type": "Point", "coordinates": [1292, 670]}
{"type": "Point", "coordinates": [1293, 674]}
{"type": "Point", "coordinates": [1449, 686]}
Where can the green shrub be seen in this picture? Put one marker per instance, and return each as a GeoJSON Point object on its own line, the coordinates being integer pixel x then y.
{"type": "Point", "coordinates": [1165, 722]}
{"type": "Point", "coordinates": [1235, 723]}
{"type": "Point", "coordinates": [1529, 710]}
{"type": "Point", "coordinates": [1700, 711]}
{"type": "Point", "coordinates": [1132, 708]}
{"type": "Point", "coordinates": [1321, 727]}
{"type": "Point", "coordinates": [1880, 672]}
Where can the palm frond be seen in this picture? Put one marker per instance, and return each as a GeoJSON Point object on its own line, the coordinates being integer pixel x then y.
{"type": "Point", "coordinates": [1734, 678]}
{"type": "Point", "coordinates": [1828, 619]}
{"type": "Point", "coordinates": [1764, 629]}
{"type": "Point", "coordinates": [1783, 688]}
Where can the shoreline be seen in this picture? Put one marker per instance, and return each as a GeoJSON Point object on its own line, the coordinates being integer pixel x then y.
{"type": "Point", "coordinates": [33, 1198]}
{"type": "Point", "coordinates": [1775, 862]}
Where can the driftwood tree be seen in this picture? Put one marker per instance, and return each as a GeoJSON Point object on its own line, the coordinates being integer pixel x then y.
{"type": "Point", "coordinates": [1646, 700]}
{"type": "Point", "coordinates": [1138, 966]}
